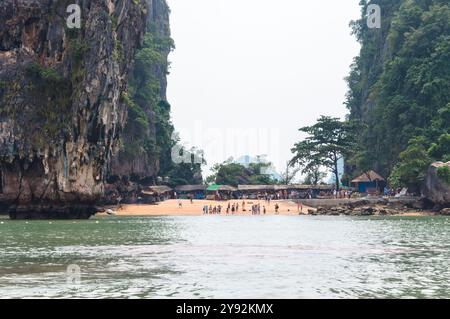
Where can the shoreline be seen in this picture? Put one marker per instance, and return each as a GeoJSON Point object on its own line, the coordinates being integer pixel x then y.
{"type": "Point", "coordinates": [287, 208]}
{"type": "Point", "coordinates": [171, 208]}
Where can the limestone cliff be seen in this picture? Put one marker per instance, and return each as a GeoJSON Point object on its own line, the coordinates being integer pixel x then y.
{"type": "Point", "coordinates": [435, 189]}
{"type": "Point", "coordinates": [146, 139]}
{"type": "Point", "coordinates": [61, 105]}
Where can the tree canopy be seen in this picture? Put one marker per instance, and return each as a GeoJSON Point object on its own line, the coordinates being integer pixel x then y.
{"type": "Point", "coordinates": [329, 140]}
{"type": "Point", "coordinates": [231, 173]}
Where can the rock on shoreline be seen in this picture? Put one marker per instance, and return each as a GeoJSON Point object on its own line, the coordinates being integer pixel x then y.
{"type": "Point", "coordinates": [435, 189]}
{"type": "Point", "coordinates": [380, 207]}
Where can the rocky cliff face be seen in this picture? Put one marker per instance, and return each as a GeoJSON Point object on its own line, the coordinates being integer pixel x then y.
{"type": "Point", "coordinates": [61, 104]}
{"type": "Point", "coordinates": [435, 189]}
{"type": "Point", "coordinates": [138, 160]}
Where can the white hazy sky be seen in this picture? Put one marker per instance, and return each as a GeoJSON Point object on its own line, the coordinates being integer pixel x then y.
{"type": "Point", "coordinates": [246, 74]}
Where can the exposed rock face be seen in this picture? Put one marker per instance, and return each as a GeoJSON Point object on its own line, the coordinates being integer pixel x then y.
{"type": "Point", "coordinates": [378, 207]}
{"type": "Point", "coordinates": [60, 99]}
{"type": "Point", "coordinates": [144, 166]}
{"type": "Point", "coordinates": [434, 189]}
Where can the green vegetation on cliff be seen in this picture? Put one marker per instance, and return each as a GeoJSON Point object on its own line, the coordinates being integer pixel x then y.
{"type": "Point", "coordinates": [51, 93]}
{"type": "Point", "coordinates": [149, 133]}
{"type": "Point", "coordinates": [444, 173]}
{"type": "Point", "coordinates": [400, 90]}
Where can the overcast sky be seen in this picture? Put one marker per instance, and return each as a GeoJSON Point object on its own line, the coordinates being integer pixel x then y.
{"type": "Point", "coordinates": [247, 74]}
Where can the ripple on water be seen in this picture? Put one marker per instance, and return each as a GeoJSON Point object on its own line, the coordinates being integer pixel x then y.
{"type": "Point", "coordinates": [297, 257]}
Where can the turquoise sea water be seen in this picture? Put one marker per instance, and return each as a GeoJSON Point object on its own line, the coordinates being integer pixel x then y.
{"type": "Point", "coordinates": [226, 257]}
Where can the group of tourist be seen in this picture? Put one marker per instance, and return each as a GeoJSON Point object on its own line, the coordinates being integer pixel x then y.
{"type": "Point", "coordinates": [233, 208]}
{"type": "Point", "coordinates": [343, 193]}
{"type": "Point", "coordinates": [217, 210]}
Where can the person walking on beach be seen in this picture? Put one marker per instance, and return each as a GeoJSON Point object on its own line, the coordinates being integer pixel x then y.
{"type": "Point", "coordinates": [210, 209]}
{"type": "Point", "coordinates": [232, 209]}
{"type": "Point", "coordinates": [264, 210]}
{"type": "Point", "coordinates": [180, 204]}
{"type": "Point", "coordinates": [276, 208]}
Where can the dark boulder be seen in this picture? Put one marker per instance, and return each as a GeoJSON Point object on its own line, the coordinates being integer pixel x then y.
{"type": "Point", "coordinates": [435, 189]}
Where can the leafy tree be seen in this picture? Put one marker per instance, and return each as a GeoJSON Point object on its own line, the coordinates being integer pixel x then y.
{"type": "Point", "coordinates": [412, 166]}
{"type": "Point", "coordinates": [329, 140]}
{"type": "Point", "coordinates": [230, 173]}
{"type": "Point", "coordinates": [289, 174]}
{"type": "Point", "coordinates": [441, 149]}
{"type": "Point", "coordinates": [189, 171]}
{"type": "Point", "coordinates": [314, 176]}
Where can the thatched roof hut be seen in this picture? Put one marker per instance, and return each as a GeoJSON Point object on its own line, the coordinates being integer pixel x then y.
{"type": "Point", "coordinates": [224, 188]}
{"type": "Point", "coordinates": [255, 188]}
{"type": "Point", "coordinates": [368, 177]}
{"type": "Point", "coordinates": [156, 190]}
{"type": "Point", "coordinates": [190, 188]}
{"type": "Point", "coordinates": [369, 182]}
{"type": "Point", "coordinates": [320, 187]}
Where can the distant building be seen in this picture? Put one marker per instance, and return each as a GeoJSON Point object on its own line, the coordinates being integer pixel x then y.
{"type": "Point", "coordinates": [370, 182]}
{"type": "Point", "coordinates": [191, 191]}
{"type": "Point", "coordinates": [220, 192]}
{"type": "Point", "coordinates": [156, 194]}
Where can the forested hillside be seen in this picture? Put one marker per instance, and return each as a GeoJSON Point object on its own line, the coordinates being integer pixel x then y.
{"type": "Point", "coordinates": [399, 89]}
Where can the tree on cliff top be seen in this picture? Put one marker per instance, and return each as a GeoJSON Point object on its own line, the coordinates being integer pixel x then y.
{"type": "Point", "coordinates": [329, 140]}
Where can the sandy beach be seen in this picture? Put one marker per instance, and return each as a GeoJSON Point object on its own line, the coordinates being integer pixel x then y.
{"type": "Point", "coordinates": [171, 208]}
